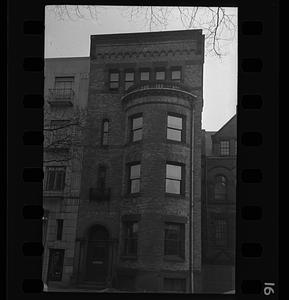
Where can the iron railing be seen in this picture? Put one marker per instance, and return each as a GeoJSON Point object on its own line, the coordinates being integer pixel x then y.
{"type": "Point", "coordinates": [59, 95]}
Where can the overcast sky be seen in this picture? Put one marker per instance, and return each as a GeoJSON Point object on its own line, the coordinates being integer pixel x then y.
{"type": "Point", "coordinates": [69, 38]}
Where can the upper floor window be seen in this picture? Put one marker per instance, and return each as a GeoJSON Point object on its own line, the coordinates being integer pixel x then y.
{"type": "Point", "coordinates": [220, 188]}
{"type": "Point", "coordinates": [136, 128]}
{"type": "Point", "coordinates": [130, 238]}
{"type": "Point", "coordinates": [59, 229]}
{"type": "Point", "coordinates": [225, 147]}
{"type": "Point", "coordinates": [174, 178]}
{"type": "Point", "coordinates": [114, 80]}
{"type": "Point", "coordinates": [176, 74]}
{"type": "Point", "coordinates": [59, 130]}
{"type": "Point", "coordinates": [160, 75]}
{"type": "Point", "coordinates": [129, 79]}
{"type": "Point", "coordinates": [175, 128]}
{"type": "Point", "coordinates": [64, 83]}
{"type": "Point", "coordinates": [134, 178]}
{"type": "Point", "coordinates": [144, 75]}
{"type": "Point", "coordinates": [101, 177]}
{"type": "Point", "coordinates": [55, 178]}
{"type": "Point", "coordinates": [221, 232]}
{"type": "Point", "coordinates": [105, 128]}
{"type": "Point", "coordinates": [174, 239]}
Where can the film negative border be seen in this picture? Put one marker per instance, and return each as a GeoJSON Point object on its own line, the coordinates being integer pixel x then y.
{"type": "Point", "coordinates": [257, 202]}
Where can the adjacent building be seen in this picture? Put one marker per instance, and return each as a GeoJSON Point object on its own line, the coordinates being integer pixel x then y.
{"type": "Point", "coordinates": [219, 208]}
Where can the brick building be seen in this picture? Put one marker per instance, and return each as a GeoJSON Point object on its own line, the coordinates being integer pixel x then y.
{"type": "Point", "coordinates": [65, 94]}
{"type": "Point", "coordinates": [139, 216]}
{"type": "Point", "coordinates": [219, 208]}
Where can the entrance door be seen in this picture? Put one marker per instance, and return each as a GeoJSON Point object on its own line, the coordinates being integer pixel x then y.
{"type": "Point", "coordinates": [97, 255]}
{"type": "Point", "coordinates": [55, 266]}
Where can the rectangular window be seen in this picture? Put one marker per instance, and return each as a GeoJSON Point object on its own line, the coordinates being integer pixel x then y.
{"type": "Point", "coordinates": [134, 178]}
{"type": "Point", "coordinates": [160, 75]}
{"type": "Point", "coordinates": [174, 239]}
{"type": "Point", "coordinates": [144, 75]}
{"type": "Point", "coordinates": [175, 284]}
{"type": "Point", "coordinates": [114, 80]}
{"type": "Point", "coordinates": [176, 75]}
{"type": "Point", "coordinates": [105, 128]}
{"type": "Point", "coordinates": [55, 178]}
{"type": "Point", "coordinates": [225, 147]}
{"type": "Point", "coordinates": [130, 238]}
{"type": "Point", "coordinates": [175, 128]}
{"type": "Point", "coordinates": [221, 232]}
{"type": "Point", "coordinates": [174, 179]}
{"type": "Point", "coordinates": [55, 268]}
{"type": "Point", "coordinates": [65, 83]}
{"type": "Point", "coordinates": [59, 229]}
{"type": "Point", "coordinates": [136, 128]}
{"type": "Point", "coordinates": [59, 131]}
{"type": "Point", "coordinates": [128, 80]}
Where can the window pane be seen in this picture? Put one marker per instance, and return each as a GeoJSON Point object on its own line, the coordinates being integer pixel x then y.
{"type": "Point", "coordinates": [137, 135]}
{"type": "Point", "coordinates": [105, 126]}
{"type": "Point", "coordinates": [135, 171]}
{"type": "Point", "coordinates": [175, 135]}
{"type": "Point", "coordinates": [160, 75]}
{"type": "Point", "coordinates": [176, 75]}
{"type": "Point", "coordinates": [145, 76]}
{"type": "Point", "coordinates": [175, 122]}
{"type": "Point", "coordinates": [105, 139]}
{"type": "Point", "coordinates": [171, 247]}
{"type": "Point", "coordinates": [225, 147]}
{"type": "Point", "coordinates": [114, 85]}
{"type": "Point", "coordinates": [137, 123]}
{"type": "Point", "coordinates": [174, 172]}
{"type": "Point", "coordinates": [129, 76]}
{"type": "Point", "coordinates": [128, 85]}
{"type": "Point", "coordinates": [135, 186]}
{"type": "Point", "coordinates": [114, 76]}
{"type": "Point", "coordinates": [50, 180]}
{"type": "Point", "coordinates": [173, 186]}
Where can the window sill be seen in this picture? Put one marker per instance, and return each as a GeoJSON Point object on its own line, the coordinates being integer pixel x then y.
{"type": "Point", "coordinates": [134, 195]}
{"type": "Point", "coordinates": [179, 196]}
{"type": "Point", "coordinates": [183, 143]}
{"type": "Point", "coordinates": [173, 258]}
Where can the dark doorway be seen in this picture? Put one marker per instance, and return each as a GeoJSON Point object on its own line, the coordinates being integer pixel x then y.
{"type": "Point", "coordinates": [55, 267]}
{"type": "Point", "coordinates": [97, 254]}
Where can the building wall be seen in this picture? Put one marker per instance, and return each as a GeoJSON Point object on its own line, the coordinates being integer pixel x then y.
{"type": "Point", "coordinates": [64, 204]}
{"type": "Point", "coordinates": [218, 260]}
{"type": "Point", "coordinates": [152, 205]}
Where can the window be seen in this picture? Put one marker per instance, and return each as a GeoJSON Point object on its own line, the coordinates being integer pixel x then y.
{"type": "Point", "coordinates": [134, 179]}
{"type": "Point", "coordinates": [104, 139]}
{"type": "Point", "coordinates": [174, 239]}
{"type": "Point", "coordinates": [235, 146]}
{"type": "Point", "coordinates": [114, 80]}
{"type": "Point", "coordinates": [175, 284]}
{"type": "Point", "coordinates": [44, 226]}
{"type": "Point", "coordinates": [220, 188]}
{"type": "Point", "coordinates": [65, 83]}
{"type": "Point", "coordinates": [60, 130]}
{"type": "Point", "coordinates": [174, 179]}
{"type": "Point", "coordinates": [144, 75]}
{"type": "Point", "coordinates": [160, 75]}
{"type": "Point", "coordinates": [176, 75]}
{"type": "Point", "coordinates": [130, 238]}
{"type": "Point", "coordinates": [55, 178]}
{"type": "Point", "coordinates": [101, 178]}
{"type": "Point", "coordinates": [129, 80]}
{"type": "Point", "coordinates": [56, 258]}
{"type": "Point", "coordinates": [175, 128]}
{"type": "Point", "coordinates": [225, 148]}
{"type": "Point", "coordinates": [59, 229]}
{"type": "Point", "coordinates": [221, 233]}
{"type": "Point", "coordinates": [136, 128]}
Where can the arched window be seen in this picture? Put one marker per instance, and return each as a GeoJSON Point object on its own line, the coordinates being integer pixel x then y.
{"type": "Point", "coordinates": [220, 188]}
{"type": "Point", "coordinates": [104, 138]}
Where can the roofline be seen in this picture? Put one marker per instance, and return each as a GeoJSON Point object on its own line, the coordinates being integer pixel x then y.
{"type": "Point", "coordinates": [147, 36]}
{"type": "Point", "coordinates": [226, 123]}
